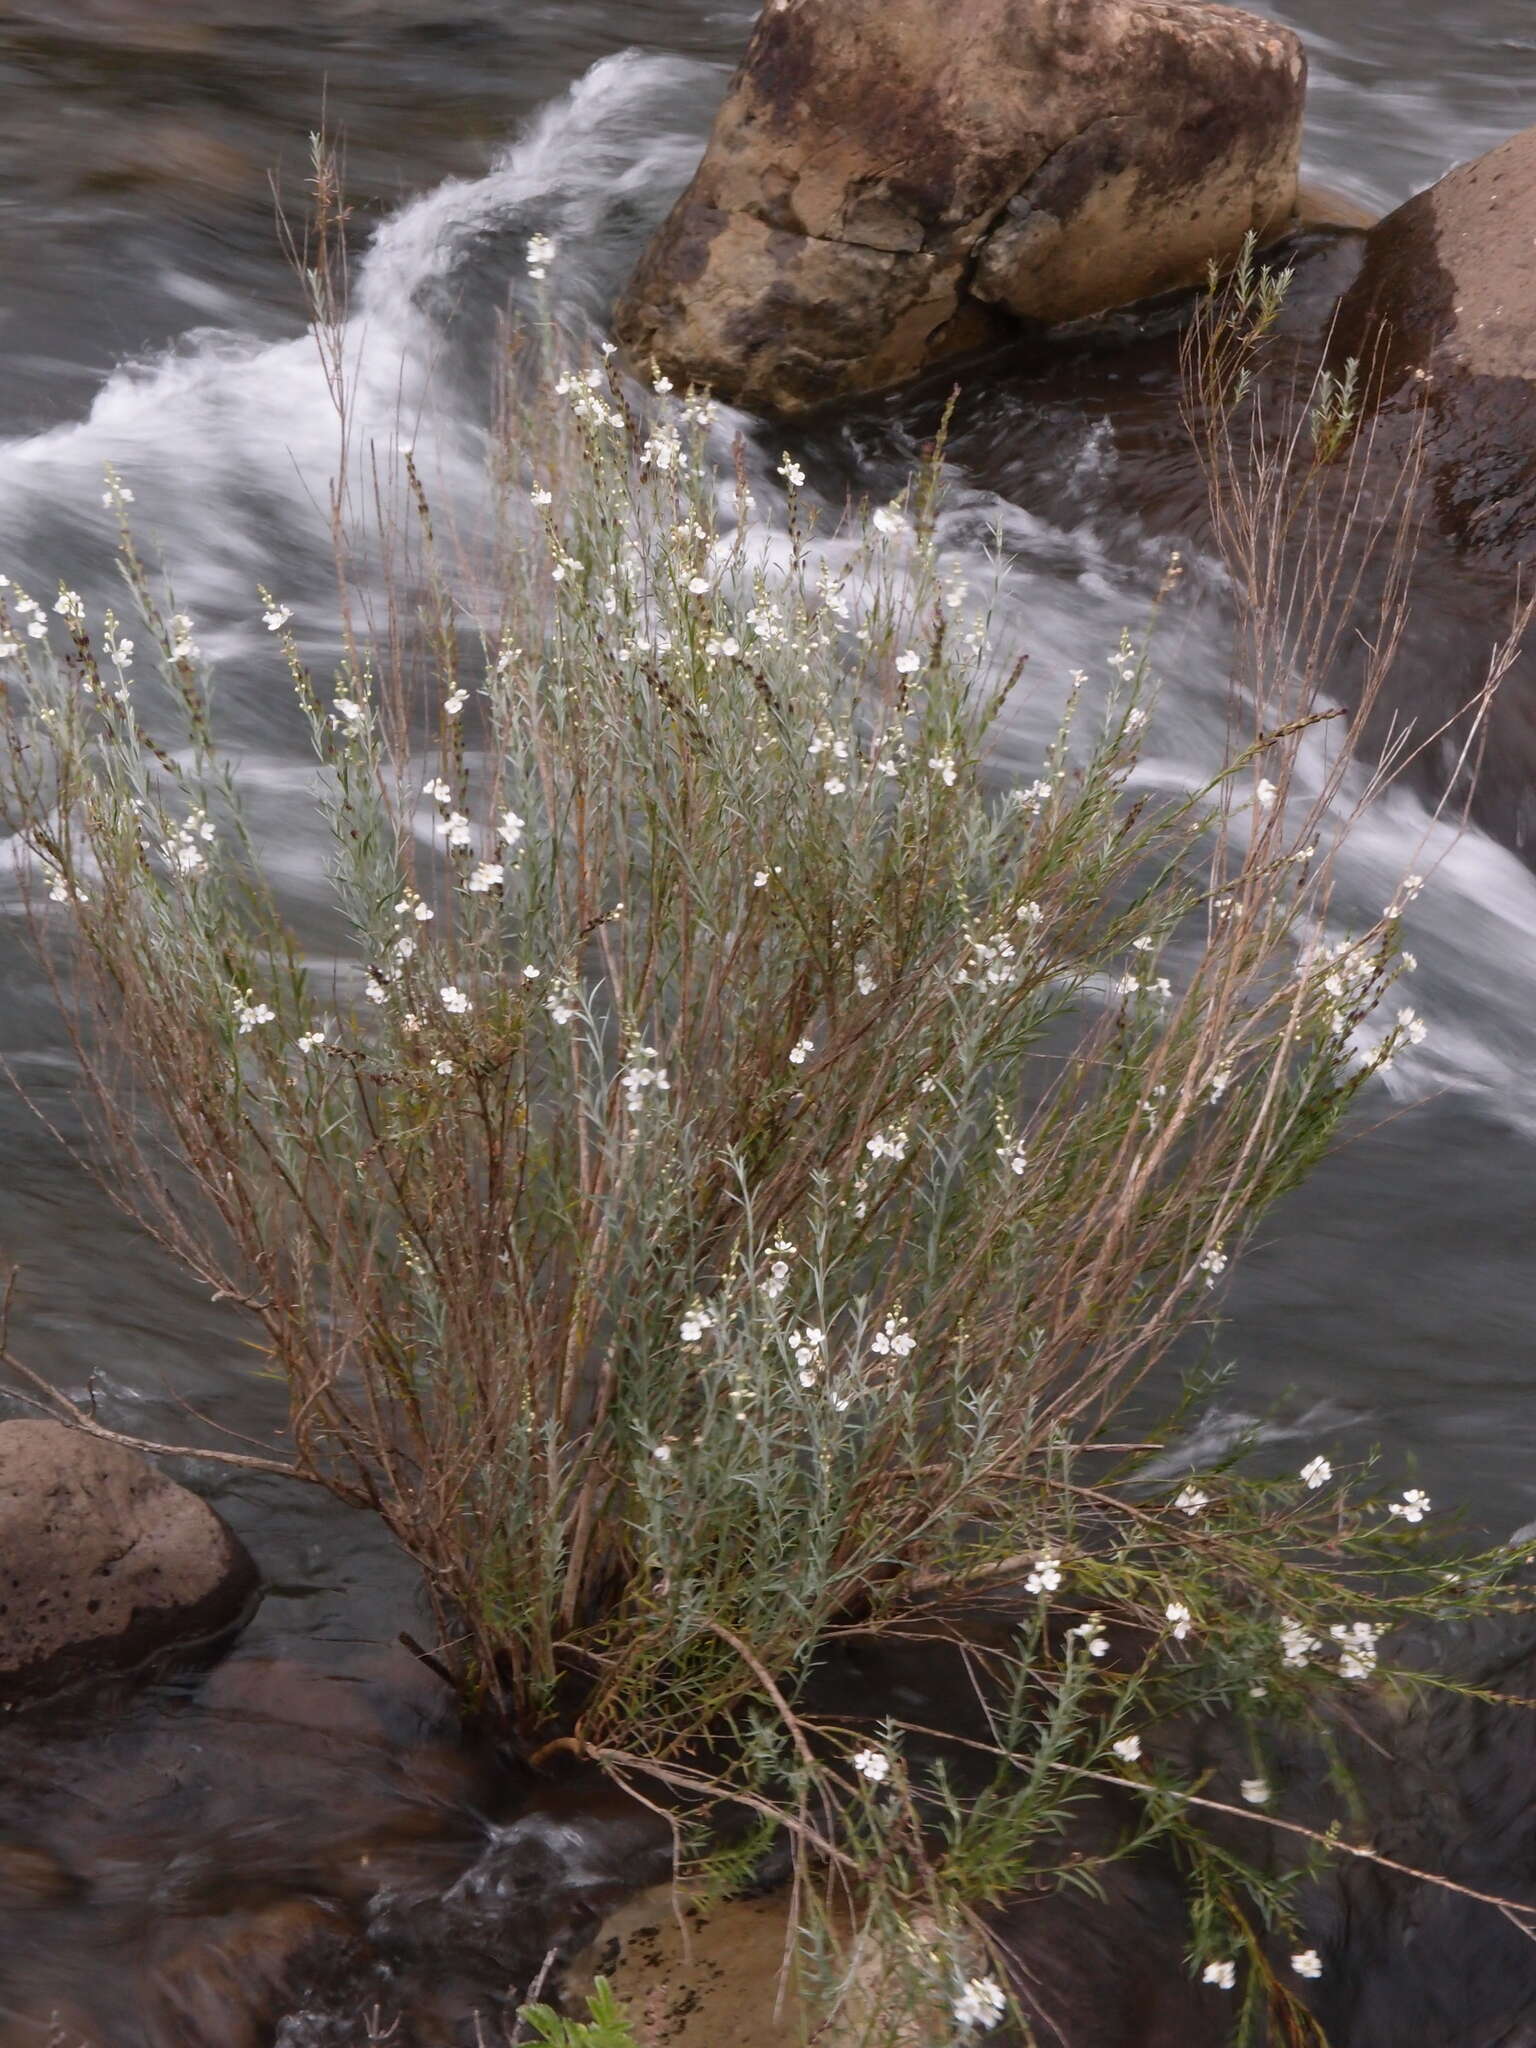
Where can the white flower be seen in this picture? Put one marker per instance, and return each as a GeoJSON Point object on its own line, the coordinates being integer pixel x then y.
{"type": "Point", "coordinates": [445, 1067]}
{"type": "Point", "coordinates": [454, 1000]}
{"type": "Point", "coordinates": [1265, 795]}
{"type": "Point", "coordinates": [980, 2002]}
{"type": "Point", "coordinates": [908, 663]}
{"type": "Point", "coordinates": [541, 498]}
{"type": "Point", "coordinates": [1411, 1026]}
{"type": "Point", "coordinates": [1178, 1614]}
{"type": "Point", "coordinates": [1213, 1263]}
{"type": "Point", "coordinates": [698, 586]}
{"type": "Point", "coordinates": [1255, 1791]}
{"type": "Point", "coordinates": [541, 253]}
{"type": "Point", "coordinates": [1087, 1633]}
{"type": "Point", "coordinates": [437, 789]}
{"type": "Point", "coordinates": [250, 1013]}
{"type": "Point", "coordinates": [1413, 1506]}
{"type": "Point", "coordinates": [38, 630]}
{"type": "Point", "coordinates": [943, 765]}
{"type": "Point", "coordinates": [1046, 1576]}
{"type": "Point", "coordinates": [760, 879]}
{"type": "Point", "coordinates": [457, 829]}
{"type": "Point", "coordinates": [561, 1002]}
{"type": "Point", "coordinates": [1296, 1645]}
{"type": "Point", "coordinates": [531, 973]}
{"type": "Point", "coordinates": [510, 830]}
{"type": "Point", "coordinates": [894, 1340]}
{"type": "Point", "coordinates": [1315, 1473]}
{"type": "Point", "coordinates": [346, 711]}
{"type": "Point", "coordinates": [1032, 796]}
{"type": "Point", "coordinates": [1222, 1975]}
{"type": "Point", "coordinates": [887, 1144]}
{"type": "Point", "coordinates": [1128, 1749]}
{"type": "Point", "coordinates": [404, 948]}
{"type": "Point", "coordinates": [182, 645]}
{"type": "Point", "coordinates": [887, 519]}
{"type": "Point", "coordinates": [662, 1453]}
{"type": "Point", "coordinates": [1219, 1082]}
{"type": "Point", "coordinates": [1357, 1648]}
{"type": "Point", "coordinates": [800, 1053]}
{"type": "Point", "coordinates": [490, 874]}
{"type": "Point", "coordinates": [9, 648]}
{"type": "Point", "coordinates": [872, 1764]}
{"type": "Point", "coordinates": [376, 988]}
{"type": "Point", "coordinates": [1014, 1157]}
{"type": "Point", "coordinates": [864, 978]}
{"type": "Point", "coordinates": [662, 387]}
{"type": "Point", "coordinates": [695, 1323]}
{"type": "Point", "coordinates": [311, 1041]}
{"type": "Point", "coordinates": [70, 605]}
{"type": "Point", "coordinates": [642, 1078]}
{"type": "Point", "coordinates": [275, 619]}
{"type": "Point", "coordinates": [455, 701]}
{"type": "Point", "coordinates": [1192, 1500]}
{"type": "Point", "coordinates": [792, 473]}
{"type": "Point", "coordinates": [1307, 1963]}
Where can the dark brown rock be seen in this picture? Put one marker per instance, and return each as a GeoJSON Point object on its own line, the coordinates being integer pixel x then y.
{"type": "Point", "coordinates": [889, 181]}
{"type": "Point", "coordinates": [1443, 319]}
{"type": "Point", "coordinates": [104, 1562]}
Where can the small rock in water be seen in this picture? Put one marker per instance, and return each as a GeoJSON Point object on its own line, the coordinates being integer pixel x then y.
{"type": "Point", "coordinates": [105, 1563]}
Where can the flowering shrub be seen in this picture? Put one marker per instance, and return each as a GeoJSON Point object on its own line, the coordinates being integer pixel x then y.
{"type": "Point", "coordinates": [735, 1152]}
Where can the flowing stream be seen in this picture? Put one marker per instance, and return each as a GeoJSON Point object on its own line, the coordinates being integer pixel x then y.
{"type": "Point", "coordinates": [149, 321]}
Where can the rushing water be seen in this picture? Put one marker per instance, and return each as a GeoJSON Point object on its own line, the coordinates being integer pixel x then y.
{"type": "Point", "coordinates": [149, 320]}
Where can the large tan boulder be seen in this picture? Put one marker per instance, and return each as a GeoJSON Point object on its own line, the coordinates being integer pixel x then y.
{"type": "Point", "coordinates": [104, 1562]}
{"type": "Point", "coordinates": [1443, 317]}
{"type": "Point", "coordinates": [891, 180]}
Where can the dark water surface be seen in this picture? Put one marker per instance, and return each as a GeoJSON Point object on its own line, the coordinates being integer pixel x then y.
{"type": "Point", "coordinates": [147, 318]}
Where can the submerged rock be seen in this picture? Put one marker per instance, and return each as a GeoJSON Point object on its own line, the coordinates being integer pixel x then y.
{"type": "Point", "coordinates": [104, 1562]}
{"type": "Point", "coordinates": [889, 181]}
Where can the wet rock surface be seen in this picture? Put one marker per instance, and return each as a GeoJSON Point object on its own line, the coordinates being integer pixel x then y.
{"type": "Point", "coordinates": [890, 181]}
{"type": "Point", "coordinates": [1441, 317]}
{"type": "Point", "coordinates": [105, 1563]}
{"type": "Point", "coordinates": [324, 1857]}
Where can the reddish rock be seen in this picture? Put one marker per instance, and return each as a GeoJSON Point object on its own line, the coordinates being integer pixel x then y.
{"type": "Point", "coordinates": [104, 1562]}
{"type": "Point", "coordinates": [888, 179]}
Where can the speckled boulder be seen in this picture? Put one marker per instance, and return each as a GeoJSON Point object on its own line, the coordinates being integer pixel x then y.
{"type": "Point", "coordinates": [891, 180]}
{"type": "Point", "coordinates": [105, 1563]}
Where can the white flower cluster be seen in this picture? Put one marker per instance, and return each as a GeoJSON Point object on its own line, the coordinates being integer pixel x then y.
{"type": "Point", "coordinates": [642, 1079]}
{"type": "Point", "coordinates": [1413, 1506]}
{"type": "Point", "coordinates": [1045, 1577]}
{"type": "Point", "coordinates": [587, 403]}
{"type": "Point", "coordinates": [893, 1339]}
{"type": "Point", "coordinates": [250, 1013]}
{"type": "Point", "coordinates": [777, 1278]}
{"type": "Point", "coordinates": [989, 963]}
{"type": "Point", "coordinates": [1357, 1648]}
{"type": "Point", "coordinates": [541, 253]}
{"type": "Point", "coordinates": [980, 2002]}
{"type": "Point", "coordinates": [1090, 1634]}
{"type": "Point", "coordinates": [184, 850]}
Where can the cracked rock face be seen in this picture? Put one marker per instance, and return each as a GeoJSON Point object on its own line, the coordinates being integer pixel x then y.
{"type": "Point", "coordinates": [890, 181]}
{"type": "Point", "coordinates": [104, 1562]}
